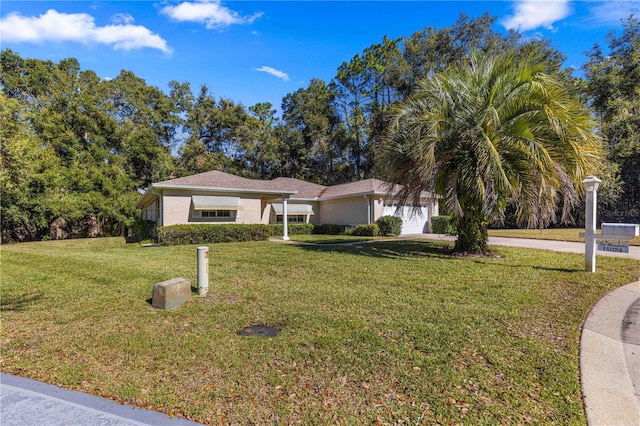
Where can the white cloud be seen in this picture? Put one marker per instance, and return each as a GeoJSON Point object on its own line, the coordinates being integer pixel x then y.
{"type": "Point", "coordinates": [530, 14]}
{"type": "Point", "coordinates": [208, 12]}
{"type": "Point", "coordinates": [122, 18]}
{"type": "Point", "coordinates": [612, 12]}
{"type": "Point", "coordinates": [79, 28]}
{"type": "Point", "coordinates": [274, 72]}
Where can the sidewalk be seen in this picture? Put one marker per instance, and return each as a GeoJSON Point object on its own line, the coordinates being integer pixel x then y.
{"type": "Point", "coordinates": [610, 359]}
{"type": "Point", "coordinates": [26, 402]}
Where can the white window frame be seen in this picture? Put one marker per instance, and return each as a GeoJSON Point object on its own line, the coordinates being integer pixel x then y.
{"type": "Point", "coordinates": [230, 215]}
{"type": "Point", "coordinates": [293, 218]}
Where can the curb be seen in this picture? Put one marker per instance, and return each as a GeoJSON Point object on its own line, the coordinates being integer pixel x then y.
{"type": "Point", "coordinates": [27, 402]}
{"type": "Point", "coordinates": [610, 359]}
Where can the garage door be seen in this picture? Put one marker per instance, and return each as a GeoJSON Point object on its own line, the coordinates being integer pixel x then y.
{"type": "Point", "coordinates": [416, 223]}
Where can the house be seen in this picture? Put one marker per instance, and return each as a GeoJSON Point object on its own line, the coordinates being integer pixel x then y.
{"type": "Point", "coordinates": [218, 197]}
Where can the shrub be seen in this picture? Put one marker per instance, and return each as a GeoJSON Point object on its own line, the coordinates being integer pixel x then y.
{"type": "Point", "coordinates": [141, 229]}
{"type": "Point", "coordinates": [275, 229]}
{"type": "Point", "coordinates": [389, 226]}
{"type": "Point", "coordinates": [442, 225]}
{"type": "Point", "coordinates": [209, 234]}
{"type": "Point", "coordinates": [330, 229]}
{"type": "Point", "coordinates": [366, 230]}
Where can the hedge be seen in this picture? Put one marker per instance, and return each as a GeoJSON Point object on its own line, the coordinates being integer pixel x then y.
{"type": "Point", "coordinates": [209, 234]}
{"type": "Point", "coordinates": [275, 229]}
{"type": "Point", "coordinates": [366, 230]}
{"type": "Point", "coordinates": [442, 225]}
{"type": "Point", "coordinates": [330, 229]}
{"type": "Point", "coordinates": [389, 226]}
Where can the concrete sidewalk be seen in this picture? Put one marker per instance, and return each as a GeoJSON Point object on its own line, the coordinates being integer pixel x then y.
{"type": "Point", "coordinates": [26, 402]}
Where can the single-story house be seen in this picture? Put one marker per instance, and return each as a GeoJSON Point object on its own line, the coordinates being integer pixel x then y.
{"type": "Point", "coordinates": [218, 197]}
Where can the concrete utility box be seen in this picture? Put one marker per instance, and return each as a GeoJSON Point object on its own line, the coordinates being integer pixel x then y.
{"type": "Point", "coordinates": [621, 229]}
{"type": "Point", "coordinates": [171, 293]}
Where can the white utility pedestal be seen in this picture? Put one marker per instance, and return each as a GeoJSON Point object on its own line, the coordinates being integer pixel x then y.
{"type": "Point", "coordinates": [203, 270]}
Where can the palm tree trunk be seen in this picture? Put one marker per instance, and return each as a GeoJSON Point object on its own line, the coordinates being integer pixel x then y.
{"type": "Point", "coordinates": [472, 230]}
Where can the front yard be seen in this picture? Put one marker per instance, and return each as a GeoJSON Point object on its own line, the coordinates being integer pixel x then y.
{"type": "Point", "coordinates": [388, 332]}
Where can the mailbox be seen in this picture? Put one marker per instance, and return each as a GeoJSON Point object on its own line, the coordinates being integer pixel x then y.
{"type": "Point", "coordinates": [627, 229]}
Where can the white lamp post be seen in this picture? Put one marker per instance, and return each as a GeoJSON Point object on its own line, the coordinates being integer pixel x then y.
{"type": "Point", "coordinates": [591, 184]}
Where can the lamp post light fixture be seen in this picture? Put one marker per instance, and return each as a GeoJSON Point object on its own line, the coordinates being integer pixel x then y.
{"type": "Point", "coordinates": [591, 185]}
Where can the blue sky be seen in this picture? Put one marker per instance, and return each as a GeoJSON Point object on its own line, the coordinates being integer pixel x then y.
{"type": "Point", "coordinates": [258, 51]}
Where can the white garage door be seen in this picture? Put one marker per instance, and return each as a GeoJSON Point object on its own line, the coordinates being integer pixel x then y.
{"type": "Point", "coordinates": [417, 223]}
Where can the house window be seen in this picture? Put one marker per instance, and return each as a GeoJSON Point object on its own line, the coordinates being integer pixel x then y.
{"type": "Point", "coordinates": [293, 218]}
{"type": "Point", "coordinates": [216, 213]}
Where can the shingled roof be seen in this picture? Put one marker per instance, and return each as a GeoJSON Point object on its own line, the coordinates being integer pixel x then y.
{"type": "Point", "coordinates": [366, 186]}
{"type": "Point", "coordinates": [220, 180]}
{"type": "Point", "coordinates": [296, 188]}
{"type": "Point", "coordinates": [304, 189]}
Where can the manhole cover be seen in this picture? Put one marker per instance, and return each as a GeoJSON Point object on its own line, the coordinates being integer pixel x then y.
{"type": "Point", "coordinates": [259, 331]}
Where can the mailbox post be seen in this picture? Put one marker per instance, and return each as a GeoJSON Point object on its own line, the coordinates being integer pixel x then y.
{"type": "Point", "coordinates": [203, 270]}
{"type": "Point", "coordinates": [591, 184]}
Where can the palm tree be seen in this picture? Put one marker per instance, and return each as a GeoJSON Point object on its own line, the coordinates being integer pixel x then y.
{"type": "Point", "coordinates": [492, 132]}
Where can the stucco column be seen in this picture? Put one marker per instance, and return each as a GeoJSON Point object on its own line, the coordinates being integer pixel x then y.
{"type": "Point", "coordinates": [368, 209]}
{"type": "Point", "coordinates": [285, 221]}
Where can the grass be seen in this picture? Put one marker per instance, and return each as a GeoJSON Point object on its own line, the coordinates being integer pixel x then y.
{"type": "Point", "coordinates": [390, 332]}
{"type": "Point", "coordinates": [331, 239]}
{"type": "Point", "coordinates": [560, 234]}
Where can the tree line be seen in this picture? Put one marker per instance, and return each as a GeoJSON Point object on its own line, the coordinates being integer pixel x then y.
{"type": "Point", "coordinates": [76, 149]}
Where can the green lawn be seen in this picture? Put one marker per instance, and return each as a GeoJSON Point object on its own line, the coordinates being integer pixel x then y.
{"type": "Point", "coordinates": [562, 234]}
{"type": "Point", "coordinates": [389, 332]}
{"type": "Point", "coordinates": [331, 239]}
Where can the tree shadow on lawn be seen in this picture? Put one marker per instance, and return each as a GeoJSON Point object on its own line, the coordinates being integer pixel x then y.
{"type": "Point", "coordinates": [384, 249]}
{"type": "Point", "coordinates": [402, 249]}
{"type": "Point", "coordinates": [18, 302]}
{"type": "Point", "coordinates": [543, 268]}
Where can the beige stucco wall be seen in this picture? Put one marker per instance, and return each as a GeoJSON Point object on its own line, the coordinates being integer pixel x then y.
{"type": "Point", "coordinates": [177, 208]}
{"type": "Point", "coordinates": [269, 217]}
{"type": "Point", "coordinates": [315, 218]}
{"type": "Point", "coordinates": [377, 205]}
{"type": "Point", "coordinates": [344, 211]}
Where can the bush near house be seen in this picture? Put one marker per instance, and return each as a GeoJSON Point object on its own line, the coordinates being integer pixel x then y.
{"type": "Point", "coordinates": [330, 229]}
{"type": "Point", "coordinates": [441, 225]}
{"type": "Point", "coordinates": [390, 226]}
{"type": "Point", "coordinates": [209, 234]}
{"type": "Point", "coordinates": [140, 230]}
{"type": "Point", "coordinates": [366, 230]}
{"type": "Point", "coordinates": [225, 233]}
{"type": "Point", "coordinates": [275, 229]}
